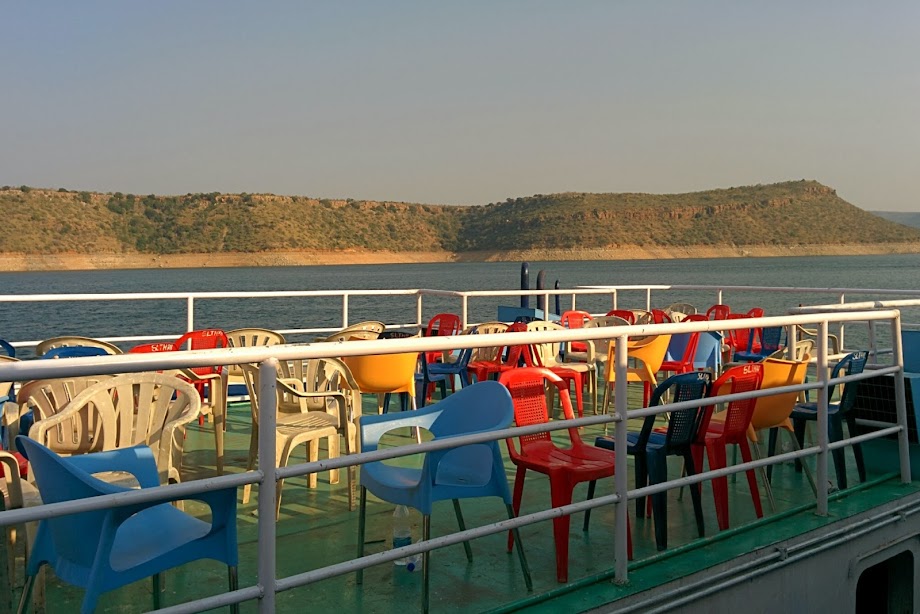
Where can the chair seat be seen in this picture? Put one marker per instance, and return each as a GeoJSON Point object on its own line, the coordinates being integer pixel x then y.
{"type": "Point", "coordinates": [136, 544]}
{"type": "Point", "coordinates": [655, 441]}
{"type": "Point", "coordinates": [310, 419]}
{"type": "Point", "coordinates": [586, 460]}
{"type": "Point", "coordinates": [809, 411]}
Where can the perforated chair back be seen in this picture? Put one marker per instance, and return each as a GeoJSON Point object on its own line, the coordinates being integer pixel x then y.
{"type": "Point", "coordinates": [737, 380]}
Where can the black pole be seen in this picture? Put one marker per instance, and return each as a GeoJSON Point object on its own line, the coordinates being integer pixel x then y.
{"type": "Point", "coordinates": [525, 284]}
{"type": "Point", "coordinates": [558, 311]}
{"type": "Point", "coordinates": [541, 284]}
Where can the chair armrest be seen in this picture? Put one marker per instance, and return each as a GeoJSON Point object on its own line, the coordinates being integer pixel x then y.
{"type": "Point", "coordinates": [136, 460]}
{"type": "Point", "coordinates": [372, 428]}
{"type": "Point", "coordinates": [13, 481]}
{"type": "Point", "coordinates": [338, 397]}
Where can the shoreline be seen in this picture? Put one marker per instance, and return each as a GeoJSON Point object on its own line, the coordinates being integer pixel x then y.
{"type": "Point", "coordinates": [13, 262]}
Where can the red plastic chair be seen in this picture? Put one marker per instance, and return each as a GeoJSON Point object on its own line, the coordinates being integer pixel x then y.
{"type": "Point", "coordinates": [696, 317]}
{"type": "Point", "coordinates": [565, 467]}
{"type": "Point", "coordinates": [684, 364]}
{"type": "Point", "coordinates": [718, 312]}
{"type": "Point", "coordinates": [738, 338]}
{"type": "Point", "coordinates": [205, 339]}
{"type": "Point", "coordinates": [732, 429]}
{"type": "Point", "coordinates": [626, 314]}
{"type": "Point", "coordinates": [575, 319]}
{"type": "Point", "coordinates": [532, 359]}
{"type": "Point", "coordinates": [159, 346]}
{"type": "Point", "coordinates": [660, 316]}
{"type": "Point", "coordinates": [482, 369]}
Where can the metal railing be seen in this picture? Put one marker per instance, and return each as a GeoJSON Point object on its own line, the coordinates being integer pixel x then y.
{"type": "Point", "coordinates": [268, 472]}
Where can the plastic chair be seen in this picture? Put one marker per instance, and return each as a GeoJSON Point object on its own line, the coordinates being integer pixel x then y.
{"type": "Point", "coordinates": [770, 342]}
{"type": "Point", "coordinates": [8, 413]}
{"type": "Point", "coordinates": [386, 373]}
{"type": "Point", "coordinates": [649, 354]}
{"type": "Point", "coordinates": [507, 357]}
{"type": "Point", "coordinates": [442, 325]}
{"type": "Point", "coordinates": [443, 373]}
{"type": "Point", "coordinates": [136, 408]}
{"type": "Point", "coordinates": [565, 467]}
{"type": "Point", "coordinates": [596, 353]}
{"type": "Point", "coordinates": [686, 309]}
{"type": "Point", "coordinates": [660, 316]}
{"type": "Point", "coordinates": [469, 471]}
{"type": "Point", "coordinates": [57, 342]}
{"type": "Point", "coordinates": [303, 427]}
{"type": "Point", "coordinates": [107, 549]}
{"type": "Point", "coordinates": [718, 312]}
{"type": "Point", "coordinates": [247, 338]}
{"type": "Point", "coordinates": [681, 353]}
{"type": "Point", "coordinates": [772, 412]}
{"type": "Point", "coordinates": [575, 319]}
{"type": "Point", "coordinates": [547, 355]}
{"type": "Point", "coordinates": [74, 351]}
{"type": "Point", "coordinates": [626, 314]}
{"type": "Point", "coordinates": [730, 427]}
{"type": "Point", "coordinates": [370, 329]}
{"type": "Point", "coordinates": [487, 353]}
{"type": "Point", "coordinates": [17, 493]}
{"type": "Point", "coordinates": [6, 348]}
{"type": "Point", "coordinates": [652, 449]}
{"type": "Point", "coordinates": [851, 364]}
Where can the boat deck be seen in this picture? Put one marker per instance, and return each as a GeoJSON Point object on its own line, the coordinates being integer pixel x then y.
{"type": "Point", "coordinates": [316, 529]}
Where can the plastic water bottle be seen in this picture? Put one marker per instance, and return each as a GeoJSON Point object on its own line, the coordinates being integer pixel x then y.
{"type": "Point", "coordinates": [402, 536]}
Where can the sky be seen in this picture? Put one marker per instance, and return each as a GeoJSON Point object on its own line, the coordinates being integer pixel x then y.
{"type": "Point", "coordinates": [463, 102]}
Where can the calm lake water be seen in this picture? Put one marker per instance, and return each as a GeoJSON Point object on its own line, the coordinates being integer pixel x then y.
{"type": "Point", "coordinates": [22, 322]}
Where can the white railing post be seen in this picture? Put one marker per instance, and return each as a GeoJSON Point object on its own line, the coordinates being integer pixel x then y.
{"type": "Point", "coordinates": [418, 310]}
{"type": "Point", "coordinates": [719, 297]}
{"type": "Point", "coordinates": [344, 311]}
{"type": "Point", "coordinates": [843, 300]}
{"type": "Point", "coordinates": [613, 299]}
{"type": "Point", "coordinates": [621, 470]}
{"type": "Point", "coordinates": [190, 314]}
{"type": "Point", "coordinates": [900, 400]}
{"type": "Point", "coordinates": [268, 401]}
{"type": "Point", "coordinates": [573, 303]}
{"type": "Point", "coordinates": [823, 438]}
{"type": "Point", "coordinates": [873, 343]}
{"type": "Point", "coordinates": [648, 299]}
{"type": "Point", "coordinates": [464, 308]}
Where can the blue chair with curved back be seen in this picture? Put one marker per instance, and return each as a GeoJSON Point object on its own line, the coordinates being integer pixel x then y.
{"type": "Point", "coordinates": [7, 348]}
{"type": "Point", "coordinates": [770, 341]}
{"type": "Point", "coordinates": [107, 549]}
{"type": "Point", "coordinates": [443, 373]}
{"type": "Point", "coordinates": [652, 449]}
{"type": "Point", "coordinates": [851, 364]}
{"type": "Point", "coordinates": [474, 470]}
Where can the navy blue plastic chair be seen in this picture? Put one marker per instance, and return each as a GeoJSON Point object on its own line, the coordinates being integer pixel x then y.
{"type": "Point", "coordinates": [475, 470]}
{"type": "Point", "coordinates": [7, 348]}
{"type": "Point", "coordinates": [851, 364]}
{"type": "Point", "coordinates": [107, 549]}
{"type": "Point", "coordinates": [443, 373]}
{"type": "Point", "coordinates": [652, 449]}
{"type": "Point", "coordinates": [770, 341]}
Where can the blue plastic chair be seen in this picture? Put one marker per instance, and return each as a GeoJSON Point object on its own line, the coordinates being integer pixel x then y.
{"type": "Point", "coordinates": [107, 549]}
{"type": "Point", "coordinates": [7, 348]}
{"type": "Point", "coordinates": [770, 341]}
{"type": "Point", "coordinates": [443, 373]}
{"type": "Point", "coordinates": [709, 352]}
{"type": "Point", "coordinates": [851, 364]}
{"type": "Point", "coordinates": [652, 449]}
{"type": "Point", "coordinates": [475, 470]}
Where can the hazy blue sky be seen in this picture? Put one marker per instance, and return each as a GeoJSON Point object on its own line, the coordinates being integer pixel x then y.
{"type": "Point", "coordinates": [467, 102]}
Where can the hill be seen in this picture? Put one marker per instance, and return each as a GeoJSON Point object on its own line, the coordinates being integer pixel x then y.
{"type": "Point", "coordinates": [900, 217]}
{"type": "Point", "coordinates": [802, 214]}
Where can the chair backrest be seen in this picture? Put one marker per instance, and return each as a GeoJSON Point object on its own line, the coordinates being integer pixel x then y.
{"type": "Point", "coordinates": [770, 339]}
{"type": "Point", "coordinates": [601, 346]}
{"type": "Point", "coordinates": [57, 342]}
{"type": "Point", "coordinates": [755, 312]}
{"type": "Point", "coordinates": [46, 397]}
{"type": "Point", "coordinates": [528, 387]}
{"type": "Point", "coordinates": [574, 318]}
{"type": "Point", "coordinates": [718, 312]}
{"type": "Point", "coordinates": [774, 410]}
{"type": "Point", "coordinates": [547, 354]}
{"type": "Point", "coordinates": [204, 339]}
{"type": "Point", "coordinates": [380, 373]}
{"type": "Point", "coordinates": [488, 353]}
{"type": "Point", "coordinates": [683, 424]}
{"type": "Point", "coordinates": [7, 349]}
{"type": "Point", "coordinates": [443, 325]}
{"type": "Point", "coordinates": [643, 317]}
{"type": "Point", "coordinates": [626, 314]}
{"type": "Point", "coordinates": [737, 380]}
{"type": "Point", "coordinates": [740, 338]}
{"type": "Point", "coordinates": [157, 346]}
{"type": "Point", "coordinates": [709, 352]}
{"type": "Point", "coordinates": [75, 536]}
{"type": "Point", "coordinates": [685, 308]}
{"type": "Point", "coordinates": [74, 351]}
{"type": "Point", "coordinates": [133, 409]}
{"type": "Point", "coordinates": [660, 316]}
{"type": "Point", "coordinates": [370, 329]}
{"type": "Point", "coordinates": [851, 364]}
{"type": "Point", "coordinates": [649, 351]}
{"type": "Point", "coordinates": [251, 337]}
{"type": "Point", "coordinates": [682, 349]}
{"type": "Point", "coordinates": [695, 317]}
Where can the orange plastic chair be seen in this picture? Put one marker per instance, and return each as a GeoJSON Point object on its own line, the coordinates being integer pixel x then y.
{"type": "Point", "coordinates": [718, 312]}
{"type": "Point", "coordinates": [730, 427]}
{"type": "Point", "coordinates": [648, 354]}
{"type": "Point", "coordinates": [773, 412]}
{"type": "Point", "coordinates": [626, 314]}
{"type": "Point", "coordinates": [385, 373]}
{"type": "Point", "coordinates": [565, 467]}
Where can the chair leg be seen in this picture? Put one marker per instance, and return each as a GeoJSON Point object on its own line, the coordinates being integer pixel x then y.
{"type": "Point", "coordinates": [763, 476]}
{"type": "Point", "coordinates": [591, 486]}
{"type": "Point", "coordinates": [771, 451]}
{"type": "Point", "coordinates": [466, 545]}
{"type": "Point", "coordinates": [26, 594]}
{"type": "Point", "coordinates": [234, 584]}
{"type": "Point", "coordinates": [426, 566]}
{"type": "Point", "coordinates": [695, 494]}
{"type": "Point", "coordinates": [516, 500]}
{"type": "Point", "coordinates": [715, 451]}
{"type": "Point", "coordinates": [642, 479]}
{"type": "Point", "coordinates": [857, 448]}
{"type": "Point", "coordinates": [798, 427]}
{"type": "Point", "coordinates": [751, 477]}
{"type": "Point", "coordinates": [362, 510]}
{"type": "Point", "coordinates": [156, 591]}
{"type": "Point", "coordinates": [808, 474]}
{"type": "Point", "coordinates": [525, 568]}
{"type": "Point", "coordinates": [835, 426]}
{"type": "Point", "coordinates": [561, 494]}
{"type": "Point", "coordinates": [657, 473]}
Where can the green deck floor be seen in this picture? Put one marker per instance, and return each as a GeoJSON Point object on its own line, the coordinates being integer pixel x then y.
{"type": "Point", "coordinates": [316, 529]}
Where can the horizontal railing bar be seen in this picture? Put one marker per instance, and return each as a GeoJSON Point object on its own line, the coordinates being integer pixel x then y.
{"type": "Point", "coordinates": [891, 430]}
{"type": "Point", "coordinates": [215, 601]}
{"type": "Point", "coordinates": [876, 424]}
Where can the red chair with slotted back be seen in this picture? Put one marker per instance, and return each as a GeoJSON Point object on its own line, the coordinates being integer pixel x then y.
{"type": "Point", "coordinates": [718, 312]}
{"type": "Point", "coordinates": [626, 314]}
{"type": "Point", "coordinates": [508, 357]}
{"type": "Point", "coordinates": [206, 339]}
{"type": "Point", "coordinates": [575, 319]}
{"type": "Point", "coordinates": [565, 467]}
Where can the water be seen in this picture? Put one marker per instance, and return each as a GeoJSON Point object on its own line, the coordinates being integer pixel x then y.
{"type": "Point", "coordinates": [38, 321]}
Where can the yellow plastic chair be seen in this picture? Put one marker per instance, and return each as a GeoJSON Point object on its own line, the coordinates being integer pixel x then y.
{"type": "Point", "coordinates": [60, 342]}
{"type": "Point", "coordinates": [648, 353]}
{"type": "Point", "coordinates": [774, 411]}
{"type": "Point", "coordinates": [385, 373]}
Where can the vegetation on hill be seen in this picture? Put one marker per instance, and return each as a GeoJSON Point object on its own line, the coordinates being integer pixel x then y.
{"type": "Point", "coordinates": [43, 221]}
